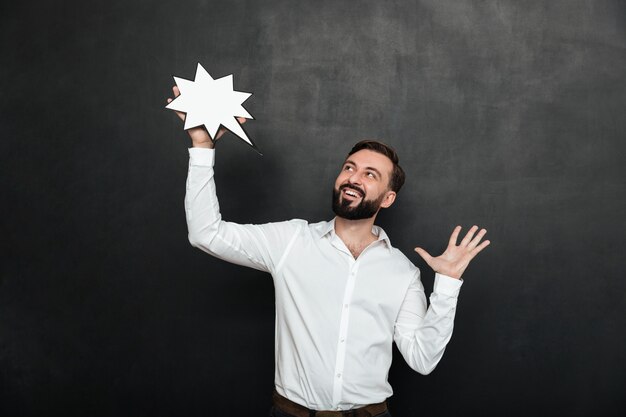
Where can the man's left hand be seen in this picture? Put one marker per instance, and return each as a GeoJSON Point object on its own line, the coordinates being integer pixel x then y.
{"type": "Point", "coordinates": [456, 258]}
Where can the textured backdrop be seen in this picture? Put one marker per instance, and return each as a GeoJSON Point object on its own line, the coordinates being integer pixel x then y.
{"type": "Point", "coordinates": [506, 114]}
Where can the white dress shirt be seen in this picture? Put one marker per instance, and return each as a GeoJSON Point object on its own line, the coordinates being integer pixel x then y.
{"type": "Point", "coordinates": [336, 316]}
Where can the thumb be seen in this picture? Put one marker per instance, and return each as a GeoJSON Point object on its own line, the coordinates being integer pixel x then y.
{"type": "Point", "coordinates": [425, 255]}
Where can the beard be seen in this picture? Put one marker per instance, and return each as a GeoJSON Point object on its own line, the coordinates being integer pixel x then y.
{"type": "Point", "coordinates": [364, 210]}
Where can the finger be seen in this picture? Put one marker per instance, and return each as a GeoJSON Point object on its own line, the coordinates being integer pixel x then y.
{"type": "Point", "coordinates": [425, 255]}
{"type": "Point", "coordinates": [469, 236]}
{"type": "Point", "coordinates": [223, 130]}
{"type": "Point", "coordinates": [454, 236]}
{"type": "Point", "coordinates": [480, 247]}
{"type": "Point", "coordinates": [477, 239]}
{"type": "Point", "coordinates": [176, 92]}
{"type": "Point", "coordinates": [219, 133]}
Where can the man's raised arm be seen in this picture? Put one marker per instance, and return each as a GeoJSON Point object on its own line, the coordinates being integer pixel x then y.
{"type": "Point", "coordinates": [422, 333]}
{"type": "Point", "coordinates": [256, 246]}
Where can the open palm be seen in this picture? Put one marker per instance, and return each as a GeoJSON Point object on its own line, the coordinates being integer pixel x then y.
{"type": "Point", "coordinates": [456, 257]}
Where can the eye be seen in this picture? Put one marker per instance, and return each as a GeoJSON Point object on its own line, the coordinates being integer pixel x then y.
{"type": "Point", "coordinates": [347, 168]}
{"type": "Point", "coordinates": [371, 174]}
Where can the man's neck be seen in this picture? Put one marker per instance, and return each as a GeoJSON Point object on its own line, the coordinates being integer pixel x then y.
{"type": "Point", "coordinates": [355, 234]}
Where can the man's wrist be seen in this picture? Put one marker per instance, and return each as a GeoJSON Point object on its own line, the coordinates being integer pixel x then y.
{"type": "Point", "coordinates": [206, 145]}
{"type": "Point", "coordinates": [445, 284]}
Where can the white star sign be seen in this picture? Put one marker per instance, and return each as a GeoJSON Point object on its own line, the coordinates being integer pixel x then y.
{"type": "Point", "coordinates": [212, 103]}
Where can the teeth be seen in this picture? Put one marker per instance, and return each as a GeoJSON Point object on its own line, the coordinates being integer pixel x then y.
{"type": "Point", "coordinates": [352, 193]}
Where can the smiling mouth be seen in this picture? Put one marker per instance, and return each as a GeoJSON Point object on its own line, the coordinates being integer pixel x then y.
{"type": "Point", "coordinates": [351, 193]}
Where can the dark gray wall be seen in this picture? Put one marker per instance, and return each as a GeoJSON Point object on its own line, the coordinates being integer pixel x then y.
{"type": "Point", "coordinates": [506, 114]}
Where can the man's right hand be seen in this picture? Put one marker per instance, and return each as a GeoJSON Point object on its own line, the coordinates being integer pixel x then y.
{"type": "Point", "coordinates": [199, 135]}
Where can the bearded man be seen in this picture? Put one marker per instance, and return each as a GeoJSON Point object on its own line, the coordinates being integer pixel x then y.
{"type": "Point", "coordinates": [344, 294]}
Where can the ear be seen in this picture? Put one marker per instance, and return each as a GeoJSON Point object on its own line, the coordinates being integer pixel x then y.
{"type": "Point", "coordinates": [390, 197]}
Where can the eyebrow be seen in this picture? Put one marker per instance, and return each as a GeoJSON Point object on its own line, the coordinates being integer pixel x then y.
{"type": "Point", "coordinates": [348, 161]}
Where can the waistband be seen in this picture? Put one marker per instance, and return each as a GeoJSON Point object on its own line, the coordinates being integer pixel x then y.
{"type": "Point", "coordinates": [298, 410]}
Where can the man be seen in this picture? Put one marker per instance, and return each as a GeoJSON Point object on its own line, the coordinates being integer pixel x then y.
{"type": "Point", "coordinates": [343, 293]}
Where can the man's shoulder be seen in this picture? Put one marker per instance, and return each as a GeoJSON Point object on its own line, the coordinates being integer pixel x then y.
{"type": "Point", "coordinates": [301, 225]}
{"type": "Point", "coordinates": [286, 226]}
{"type": "Point", "coordinates": [399, 256]}
{"type": "Point", "coordinates": [290, 223]}
{"type": "Point", "coordinates": [400, 263]}
{"type": "Point", "coordinates": [396, 256]}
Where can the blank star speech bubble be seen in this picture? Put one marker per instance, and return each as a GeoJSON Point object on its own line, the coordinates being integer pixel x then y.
{"type": "Point", "coordinates": [211, 103]}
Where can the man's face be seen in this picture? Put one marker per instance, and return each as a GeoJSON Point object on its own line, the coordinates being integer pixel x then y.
{"type": "Point", "coordinates": [362, 186]}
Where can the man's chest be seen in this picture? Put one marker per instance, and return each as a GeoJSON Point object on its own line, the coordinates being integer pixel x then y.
{"type": "Point", "coordinates": [319, 273]}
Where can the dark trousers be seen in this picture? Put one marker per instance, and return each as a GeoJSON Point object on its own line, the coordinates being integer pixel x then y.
{"type": "Point", "coordinates": [274, 412]}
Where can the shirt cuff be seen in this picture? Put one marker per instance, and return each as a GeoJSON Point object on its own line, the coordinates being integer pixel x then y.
{"type": "Point", "coordinates": [447, 285]}
{"type": "Point", "coordinates": [201, 157]}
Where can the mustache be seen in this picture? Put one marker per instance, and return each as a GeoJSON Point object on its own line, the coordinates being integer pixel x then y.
{"type": "Point", "coordinates": [352, 187]}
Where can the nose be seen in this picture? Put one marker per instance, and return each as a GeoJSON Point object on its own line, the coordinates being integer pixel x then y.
{"type": "Point", "coordinates": [355, 178]}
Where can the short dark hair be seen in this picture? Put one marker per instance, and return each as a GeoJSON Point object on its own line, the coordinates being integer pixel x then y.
{"type": "Point", "coordinates": [397, 175]}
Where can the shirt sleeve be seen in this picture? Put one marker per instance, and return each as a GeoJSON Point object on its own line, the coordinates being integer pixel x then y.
{"type": "Point", "coordinates": [257, 246]}
{"type": "Point", "coordinates": [422, 333]}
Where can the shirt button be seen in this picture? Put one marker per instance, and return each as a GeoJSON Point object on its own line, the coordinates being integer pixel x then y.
{"type": "Point", "coordinates": [342, 340]}
{"type": "Point", "coordinates": [339, 376]}
{"type": "Point", "coordinates": [345, 306]}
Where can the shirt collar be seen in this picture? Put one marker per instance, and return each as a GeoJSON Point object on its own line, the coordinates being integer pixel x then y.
{"type": "Point", "coordinates": [329, 227]}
